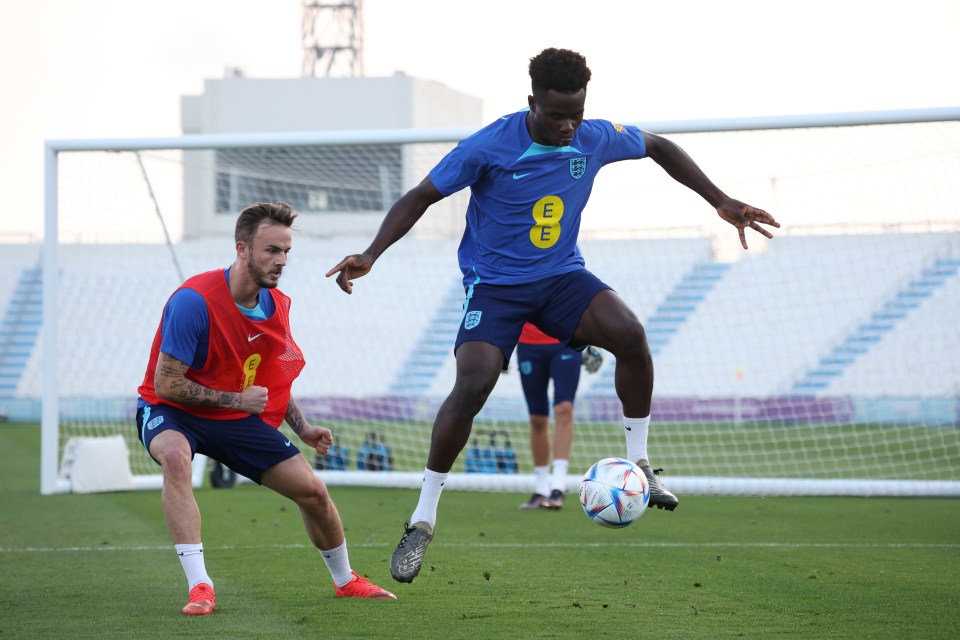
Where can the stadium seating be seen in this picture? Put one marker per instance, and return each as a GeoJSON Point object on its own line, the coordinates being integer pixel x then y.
{"type": "Point", "coordinates": [393, 329]}
{"type": "Point", "coordinates": [798, 300]}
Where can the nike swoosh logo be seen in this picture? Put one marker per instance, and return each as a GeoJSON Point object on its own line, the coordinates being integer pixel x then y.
{"type": "Point", "coordinates": [566, 356]}
{"type": "Point", "coordinates": [286, 443]}
{"type": "Point", "coordinates": [517, 176]}
{"type": "Point", "coordinates": [252, 338]}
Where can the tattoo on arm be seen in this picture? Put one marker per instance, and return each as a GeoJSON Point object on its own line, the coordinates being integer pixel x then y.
{"type": "Point", "coordinates": [171, 378]}
{"type": "Point", "coordinates": [295, 418]}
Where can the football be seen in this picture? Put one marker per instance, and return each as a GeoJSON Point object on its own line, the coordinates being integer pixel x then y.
{"type": "Point", "coordinates": [614, 492]}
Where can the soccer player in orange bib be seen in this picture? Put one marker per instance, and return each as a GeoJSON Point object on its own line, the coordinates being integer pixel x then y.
{"type": "Point", "coordinates": [218, 383]}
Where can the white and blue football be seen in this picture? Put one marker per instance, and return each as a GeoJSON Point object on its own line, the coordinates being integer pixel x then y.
{"type": "Point", "coordinates": [614, 492]}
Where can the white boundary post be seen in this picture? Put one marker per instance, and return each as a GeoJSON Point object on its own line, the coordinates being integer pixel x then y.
{"type": "Point", "coordinates": [50, 410]}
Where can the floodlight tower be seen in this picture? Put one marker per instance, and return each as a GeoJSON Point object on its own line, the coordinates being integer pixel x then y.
{"type": "Point", "coordinates": [332, 39]}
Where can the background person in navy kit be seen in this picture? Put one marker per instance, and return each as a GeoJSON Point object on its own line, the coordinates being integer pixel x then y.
{"type": "Point", "coordinates": [540, 359]}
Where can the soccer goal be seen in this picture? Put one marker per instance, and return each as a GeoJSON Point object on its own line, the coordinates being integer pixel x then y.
{"type": "Point", "coordinates": [823, 362]}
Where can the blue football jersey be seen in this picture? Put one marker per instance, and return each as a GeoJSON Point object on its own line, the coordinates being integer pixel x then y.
{"type": "Point", "coordinates": [526, 198]}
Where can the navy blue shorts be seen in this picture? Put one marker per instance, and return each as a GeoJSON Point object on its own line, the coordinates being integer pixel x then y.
{"type": "Point", "coordinates": [495, 313]}
{"type": "Point", "coordinates": [541, 362]}
{"type": "Point", "coordinates": [248, 446]}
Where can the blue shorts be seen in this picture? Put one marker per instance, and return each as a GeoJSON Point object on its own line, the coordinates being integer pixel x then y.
{"type": "Point", "coordinates": [541, 362]}
{"type": "Point", "coordinates": [495, 313]}
{"type": "Point", "coordinates": [248, 446]}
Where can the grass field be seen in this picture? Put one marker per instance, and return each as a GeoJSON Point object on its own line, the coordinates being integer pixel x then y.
{"type": "Point", "coordinates": [83, 566]}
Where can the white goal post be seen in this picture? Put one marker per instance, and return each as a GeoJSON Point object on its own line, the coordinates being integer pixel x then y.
{"type": "Point", "coordinates": [823, 362]}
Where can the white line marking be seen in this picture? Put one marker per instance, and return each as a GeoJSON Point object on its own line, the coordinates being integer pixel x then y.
{"type": "Point", "coordinates": [520, 545]}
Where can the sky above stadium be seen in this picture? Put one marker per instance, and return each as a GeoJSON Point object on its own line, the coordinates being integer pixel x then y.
{"type": "Point", "coordinates": [117, 68]}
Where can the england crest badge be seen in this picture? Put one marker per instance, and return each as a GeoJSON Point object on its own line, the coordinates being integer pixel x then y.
{"type": "Point", "coordinates": [578, 166]}
{"type": "Point", "coordinates": [472, 319]}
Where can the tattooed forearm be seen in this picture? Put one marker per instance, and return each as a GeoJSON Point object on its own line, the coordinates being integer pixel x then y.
{"type": "Point", "coordinates": [191, 393]}
{"type": "Point", "coordinates": [172, 385]}
{"type": "Point", "coordinates": [295, 418]}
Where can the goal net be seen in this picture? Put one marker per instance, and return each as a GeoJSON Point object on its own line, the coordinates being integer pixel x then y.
{"type": "Point", "coordinates": [823, 362]}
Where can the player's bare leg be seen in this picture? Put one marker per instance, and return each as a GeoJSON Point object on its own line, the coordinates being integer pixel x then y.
{"type": "Point", "coordinates": [562, 441]}
{"type": "Point", "coordinates": [180, 508]}
{"type": "Point", "coordinates": [294, 479]}
{"type": "Point", "coordinates": [540, 451]}
{"type": "Point", "coordinates": [478, 369]}
{"type": "Point", "coordinates": [610, 324]}
{"type": "Point", "coordinates": [182, 514]}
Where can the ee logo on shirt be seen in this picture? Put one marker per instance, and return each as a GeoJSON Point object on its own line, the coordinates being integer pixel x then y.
{"type": "Point", "coordinates": [546, 217]}
{"type": "Point", "coordinates": [250, 369]}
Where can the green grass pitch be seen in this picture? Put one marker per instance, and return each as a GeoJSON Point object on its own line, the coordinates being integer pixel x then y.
{"type": "Point", "coordinates": [102, 566]}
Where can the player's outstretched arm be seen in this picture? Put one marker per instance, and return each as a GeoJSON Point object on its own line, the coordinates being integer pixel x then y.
{"type": "Point", "coordinates": [401, 217]}
{"type": "Point", "coordinates": [684, 170]}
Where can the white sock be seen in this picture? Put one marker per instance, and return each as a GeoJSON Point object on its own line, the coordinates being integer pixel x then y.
{"type": "Point", "coordinates": [636, 430]}
{"type": "Point", "coordinates": [560, 475]}
{"type": "Point", "coordinates": [191, 558]}
{"type": "Point", "coordinates": [426, 510]}
{"type": "Point", "coordinates": [541, 478]}
{"type": "Point", "coordinates": [338, 564]}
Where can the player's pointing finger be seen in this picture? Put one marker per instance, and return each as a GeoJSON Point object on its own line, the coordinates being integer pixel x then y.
{"type": "Point", "coordinates": [338, 268]}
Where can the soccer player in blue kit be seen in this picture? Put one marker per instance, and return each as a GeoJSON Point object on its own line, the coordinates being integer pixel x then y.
{"type": "Point", "coordinates": [530, 174]}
